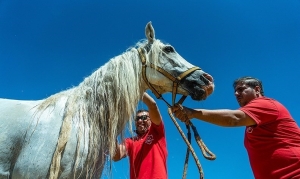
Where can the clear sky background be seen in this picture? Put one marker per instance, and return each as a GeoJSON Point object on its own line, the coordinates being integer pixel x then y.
{"type": "Point", "coordinates": [50, 46]}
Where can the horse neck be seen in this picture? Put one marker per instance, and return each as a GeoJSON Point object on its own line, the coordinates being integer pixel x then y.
{"type": "Point", "coordinates": [110, 95]}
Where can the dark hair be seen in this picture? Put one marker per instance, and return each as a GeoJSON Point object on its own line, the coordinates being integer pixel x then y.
{"type": "Point", "coordinates": [251, 82]}
{"type": "Point", "coordinates": [142, 110]}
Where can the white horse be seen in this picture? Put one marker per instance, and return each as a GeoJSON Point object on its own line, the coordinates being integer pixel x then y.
{"type": "Point", "coordinates": [70, 134]}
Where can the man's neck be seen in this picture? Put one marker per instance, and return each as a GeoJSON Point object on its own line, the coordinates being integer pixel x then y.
{"type": "Point", "coordinates": [140, 135]}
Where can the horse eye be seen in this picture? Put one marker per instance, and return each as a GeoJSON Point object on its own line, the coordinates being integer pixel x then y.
{"type": "Point", "coordinates": [168, 49]}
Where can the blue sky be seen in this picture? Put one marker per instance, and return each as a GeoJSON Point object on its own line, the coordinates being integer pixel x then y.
{"type": "Point", "coordinates": [47, 47]}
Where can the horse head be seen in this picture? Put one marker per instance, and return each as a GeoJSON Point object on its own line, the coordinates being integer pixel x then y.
{"type": "Point", "coordinates": [161, 61]}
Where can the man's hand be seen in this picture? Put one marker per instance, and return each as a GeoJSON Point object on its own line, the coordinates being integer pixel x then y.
{"type": "Point", "coordinates": [120, 152]}
{"type": "Point", "coordinates": [182, 113]}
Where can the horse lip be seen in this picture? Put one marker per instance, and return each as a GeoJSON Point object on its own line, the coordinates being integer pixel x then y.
{"type": "Point", "coordinates": [208, 90]}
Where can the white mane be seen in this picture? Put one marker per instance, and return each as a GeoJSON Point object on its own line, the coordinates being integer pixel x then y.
{"type": "Point", "coordinates": [101, 106]}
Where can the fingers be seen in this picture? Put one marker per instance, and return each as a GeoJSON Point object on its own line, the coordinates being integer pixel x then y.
{"type": "Point", "coordinates": [174, 108]}
{"type": "Point", "coordinates": [180, 112]}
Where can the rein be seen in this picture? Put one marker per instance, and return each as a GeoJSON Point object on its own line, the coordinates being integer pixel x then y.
{"type": "Point", "coordinates": [176, 80]}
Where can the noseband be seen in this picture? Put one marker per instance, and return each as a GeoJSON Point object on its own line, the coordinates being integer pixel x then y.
{"type": "Point", "coordinates": [175, 80]}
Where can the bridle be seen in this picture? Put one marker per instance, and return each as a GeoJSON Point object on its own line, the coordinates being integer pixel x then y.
{"type": "Point", "coordinates": [175, 80]}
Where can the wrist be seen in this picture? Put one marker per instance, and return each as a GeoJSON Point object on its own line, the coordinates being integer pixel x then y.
{"type": "Point", "coordinates": [196, 113]}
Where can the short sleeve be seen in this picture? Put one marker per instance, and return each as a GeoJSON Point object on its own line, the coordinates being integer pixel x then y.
{"type": "Point", "coordinates": [261, 110]}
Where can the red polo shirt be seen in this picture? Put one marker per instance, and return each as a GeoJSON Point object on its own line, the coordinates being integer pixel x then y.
{"type": "Point", "coordinates": [148, 154]}
{"type": "Point", "coordinates": [273, 144]}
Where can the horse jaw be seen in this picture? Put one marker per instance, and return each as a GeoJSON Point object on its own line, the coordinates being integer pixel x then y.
{"type": "Point", "coordinates": [199, 85]}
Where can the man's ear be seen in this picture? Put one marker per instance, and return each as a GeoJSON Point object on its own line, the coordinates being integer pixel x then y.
{"type": "Point", "coordinates": [257, 90]}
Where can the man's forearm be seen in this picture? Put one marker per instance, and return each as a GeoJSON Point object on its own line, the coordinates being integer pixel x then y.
{"type": "Point", "coordinates": [149, 101]}
{"type": "Point", "coordinates": [223, 117]}
{"type": "Point", "coordinates": [120, 152]}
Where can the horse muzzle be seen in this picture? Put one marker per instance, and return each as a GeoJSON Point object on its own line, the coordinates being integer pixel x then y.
{"type": "Point", "coordinates": [201, 88]}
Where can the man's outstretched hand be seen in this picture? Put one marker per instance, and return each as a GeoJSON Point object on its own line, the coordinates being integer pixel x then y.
{"type": "Point", "coordinates": [184, 114]}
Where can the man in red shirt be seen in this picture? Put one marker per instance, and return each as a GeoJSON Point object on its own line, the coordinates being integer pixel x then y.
{"type": "Point", "coordinates": [272, 137]}
{"type": "Point", "coordinates": [147, 151]}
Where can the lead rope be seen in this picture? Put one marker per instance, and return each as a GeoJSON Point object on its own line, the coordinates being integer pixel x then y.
{"type": "Point", "coordinates": [187, 155]}
{"type": "Point", "coordinates": [205, 151]}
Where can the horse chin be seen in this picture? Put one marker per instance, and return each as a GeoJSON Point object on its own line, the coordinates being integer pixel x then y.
{"type": "Point", "coordinates": [198, 95]}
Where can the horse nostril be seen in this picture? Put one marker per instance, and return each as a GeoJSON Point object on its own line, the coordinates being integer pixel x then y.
{"type": "Point", "coordinates": [209, 77]}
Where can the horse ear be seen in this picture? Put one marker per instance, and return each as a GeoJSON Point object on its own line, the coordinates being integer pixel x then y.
{"type": "Point", "coordinates": [150, 34]}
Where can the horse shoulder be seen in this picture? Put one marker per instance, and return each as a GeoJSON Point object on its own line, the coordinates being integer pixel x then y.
{"type": "Point", "coordinates": [30, 136]}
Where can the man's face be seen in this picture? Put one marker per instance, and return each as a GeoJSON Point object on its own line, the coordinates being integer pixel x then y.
{"type": "Point", "coordinates": [244, 94]}
{"type": "Point", "coordinates": [142, 122]}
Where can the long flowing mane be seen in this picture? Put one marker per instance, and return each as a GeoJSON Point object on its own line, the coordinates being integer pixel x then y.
{"type": "Point", "coordinates": [101, 106]}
